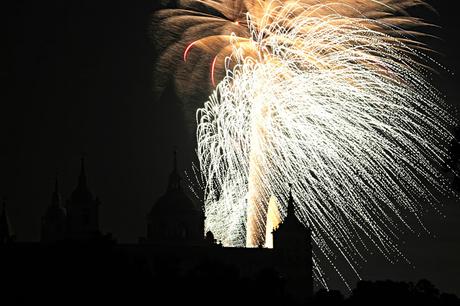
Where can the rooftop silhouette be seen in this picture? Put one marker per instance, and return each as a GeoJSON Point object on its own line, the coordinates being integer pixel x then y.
{"type": "Point", "coordinates": [176, 255]}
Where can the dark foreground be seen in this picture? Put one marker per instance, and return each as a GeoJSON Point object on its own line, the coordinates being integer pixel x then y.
{"type": "Point", "coordinates": [69, 274]}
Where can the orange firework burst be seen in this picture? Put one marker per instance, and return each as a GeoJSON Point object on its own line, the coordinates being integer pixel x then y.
{"type": "Point", "coordinates": [195, 36]}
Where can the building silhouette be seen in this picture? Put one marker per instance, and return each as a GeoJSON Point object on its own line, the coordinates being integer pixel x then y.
{"type": "Point", "coordinates": [83, 210]}
{"type": "Point", "coordinates": [293, 240]}
{"type": "Point", "coordinates": [176, 259]}
{"type": "Point", "coordinates": [175, 239]}
{"type": "Point", "coordinates": [175, 218]}
{"type": "Point", "coordinates": [54, 222]}
{"type": "Point", "coordinates": [78, 220]}
{"type": "Point", "coordinates": [6, 235]}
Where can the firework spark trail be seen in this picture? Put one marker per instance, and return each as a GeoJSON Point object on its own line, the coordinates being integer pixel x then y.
{"type": "Point", "coordinates": [340, 109]}
{"type": "Point", "coordinates": [200, 31]}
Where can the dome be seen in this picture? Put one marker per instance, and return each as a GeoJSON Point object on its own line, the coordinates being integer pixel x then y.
{"type": "Point", "coordinates": [55, 212]}
{"type": "Point", "coordinates": [174, 201]}
{"type": "Point", "coordinates": [175, 218]}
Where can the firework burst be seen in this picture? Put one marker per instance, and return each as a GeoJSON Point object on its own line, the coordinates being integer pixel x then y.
{"type": "Point", "coordinates": [340, 110]}
{"type": "Point", "coordinates": [331, 97]}
{"type": "Point", "coordinates": [194, 36]}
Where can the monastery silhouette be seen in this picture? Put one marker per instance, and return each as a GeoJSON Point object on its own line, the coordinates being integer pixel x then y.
{"type": "Point", "coordinates": [175, 247]}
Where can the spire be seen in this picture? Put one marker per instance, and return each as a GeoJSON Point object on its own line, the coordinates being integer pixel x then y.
{"type": "Point", "coordinates": [56, 199]}
{"type": "Point", "coordinates": [82, 193]}
{"type": "Point", "coordinates": [56, 184]}
{"type": "Point", "coordinates": [82, 184]}
{"type": "Point", "coordinates": [175, 160]}
{"type": "Point", "coordinates": [5, 233]}
{"type": "Point", "coordinates": [290, 208]}
{"type": "Point", "coordinates": [174, 177]}
{"type": "Point", "coordinates": [291, 232]}
{"type": "Point", "coordinates": [291, 220]}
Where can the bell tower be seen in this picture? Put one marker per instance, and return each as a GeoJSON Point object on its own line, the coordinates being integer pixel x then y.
{"type": "Point", "coordinates": [82, 210]}
{"type": "Point", "coordinates": [292, 244]}
{"type": "Point", "coordinates": [6, 235]}
{"type": "Point", "coordinates": [54, 225]}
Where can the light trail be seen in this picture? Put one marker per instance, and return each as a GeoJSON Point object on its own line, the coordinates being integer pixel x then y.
{"type": "Point", "coordinates": [339, 109]}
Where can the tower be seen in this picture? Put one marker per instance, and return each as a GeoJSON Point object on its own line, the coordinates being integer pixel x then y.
{"type": "Point", "coordinates": [6, 235]}
{"type": "Point", "coordinates": [82, 210]}
{"type": "Point", "coordinates": [292, 244]}
{"type": "Point", "coordinates": [291, 234]}
{"type": "Point", "coordinates": [54, 225]}
{"type": "Point", "coordinates": [175, 219]}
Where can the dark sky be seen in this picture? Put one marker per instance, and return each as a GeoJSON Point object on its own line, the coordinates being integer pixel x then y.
{"type": "Point", "coordinates": [78, 78]}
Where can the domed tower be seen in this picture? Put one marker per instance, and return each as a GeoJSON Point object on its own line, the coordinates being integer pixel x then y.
{"type": "Point", "coordinates": [6, 235]}
{"type": "Point", "coordinates": [54, 225]}
{"type": "Point", "coordinates": [83, 210]}
{"type": "Point", "coordinates": [175, 219]}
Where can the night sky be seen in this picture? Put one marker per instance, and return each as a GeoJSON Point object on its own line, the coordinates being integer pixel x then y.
{"type": "Point", "coordinates": [77, 78]}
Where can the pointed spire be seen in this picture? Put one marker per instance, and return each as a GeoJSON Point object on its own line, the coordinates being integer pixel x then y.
{"type": "Point", "coordinates": [290, 208]}
{"type": "Point", "coordinates": [291, 217]}
{"type": "Point", "coordinates": [82, 178]}
{"type": "Point", "coordinates": [82, 193]}
{"type": "Point", "coordinates": [56, 183]}
{"type": "Point", "coordinates": [174, 177]}
{"type": "Point", "coordinates": [175, 160]}
{"type": "Point", "coordinates": [56, 199]}
{"type": "Point", "coordinates": [5, 233]}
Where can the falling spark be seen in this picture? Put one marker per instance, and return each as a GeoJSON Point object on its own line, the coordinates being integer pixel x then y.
{"type": "Point", "coordinates": [337, 103]}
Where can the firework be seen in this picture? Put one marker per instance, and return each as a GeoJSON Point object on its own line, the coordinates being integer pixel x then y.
{"type": "Point", "coordinates": [331, 97]}
{"type": "Point", "coordinates": [339, 109]}
{"type": "Point", "coordinates": [194, 36]}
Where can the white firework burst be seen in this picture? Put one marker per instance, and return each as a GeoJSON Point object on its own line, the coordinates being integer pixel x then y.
{"type": "Point", "coordinates": [339, 109]}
